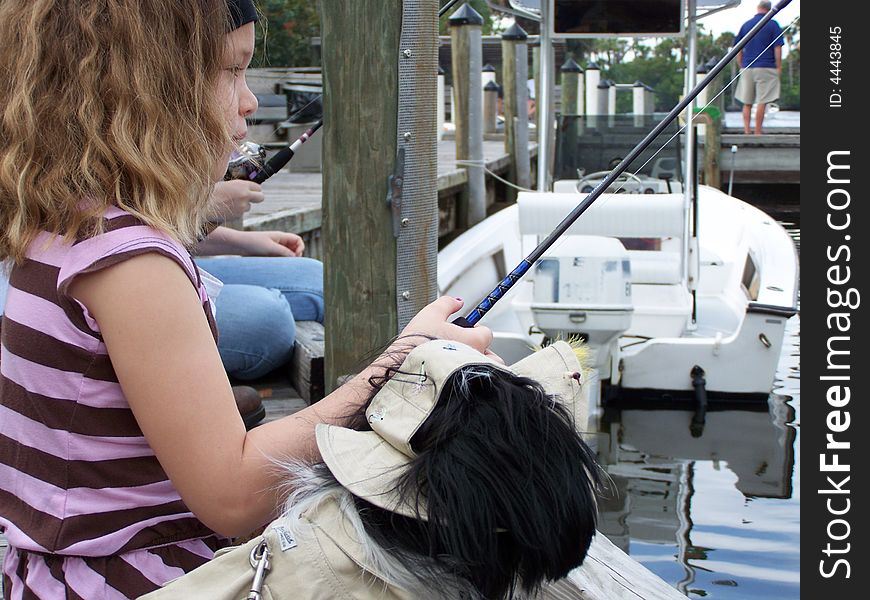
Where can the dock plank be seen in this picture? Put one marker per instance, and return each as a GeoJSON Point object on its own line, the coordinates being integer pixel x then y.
{"type": "Point", "coordinates": [279, 398]}
{"type": "Point", "coordinates": [306, 366]}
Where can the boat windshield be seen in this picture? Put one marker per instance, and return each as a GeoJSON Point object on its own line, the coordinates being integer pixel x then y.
{"type": "Point", "coordinates": [589, 145]}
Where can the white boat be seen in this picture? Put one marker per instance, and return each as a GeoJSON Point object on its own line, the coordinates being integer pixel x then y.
{"type": "Point", "coordinates": [677, 293]}
{"type": "Point", "coordinates": [636, 307]}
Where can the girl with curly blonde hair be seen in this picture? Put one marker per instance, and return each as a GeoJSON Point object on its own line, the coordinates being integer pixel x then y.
{"type": "Point", "coordinates": [124, 462]}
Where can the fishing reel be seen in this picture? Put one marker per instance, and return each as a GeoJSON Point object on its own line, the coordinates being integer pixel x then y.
{"type": "Point", "coordinates": [246, 162]}
{"type": "Point", "coordinates": [249, 161]}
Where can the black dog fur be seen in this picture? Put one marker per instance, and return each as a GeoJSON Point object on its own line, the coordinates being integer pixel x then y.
{"type": "Point", "coordinates": [506, 484]}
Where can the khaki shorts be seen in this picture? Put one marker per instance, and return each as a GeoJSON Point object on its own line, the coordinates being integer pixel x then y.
{"type": "Point", "coordinates": [758, 85]}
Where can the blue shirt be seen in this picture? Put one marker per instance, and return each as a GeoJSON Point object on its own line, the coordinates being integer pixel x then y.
{"type": "Point", "coordinates": [756, 46]}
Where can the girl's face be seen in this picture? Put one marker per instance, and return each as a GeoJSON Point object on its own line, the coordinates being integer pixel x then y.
{"type": "Point", "coordinates": [236, 99]}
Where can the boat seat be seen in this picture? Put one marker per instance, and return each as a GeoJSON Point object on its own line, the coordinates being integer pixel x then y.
{"type": "Point", "coordinates": [640, 216]}
{"type": "Point", "coordinates": [655, 267]}
{"type": "Point", "coordinates": [612, 215]}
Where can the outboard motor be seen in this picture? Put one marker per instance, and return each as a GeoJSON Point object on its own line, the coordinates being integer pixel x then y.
{"type": "Point", "coordinates": [582, 287]}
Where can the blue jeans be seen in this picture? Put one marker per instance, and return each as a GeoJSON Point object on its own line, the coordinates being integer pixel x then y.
{"type": "Point", "coordinates": [257, 308]}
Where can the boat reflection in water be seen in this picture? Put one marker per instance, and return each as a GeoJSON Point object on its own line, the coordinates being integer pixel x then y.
{"type": "Point", "coordinates": [715, 516]}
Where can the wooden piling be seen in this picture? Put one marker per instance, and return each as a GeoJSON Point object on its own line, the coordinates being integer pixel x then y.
{"type": "Point", "coordinates": [713, 135]}
{"type": "Point", "coordinates": [611, 98]}
{"type": "Point", "coordinates": [603, 97]}
{"type": "Point", "coordinates": [487, 75]}
{"type": "Point", "coordinates": [360, 99]}
{"type": "Point", "coordinates": [571, 78]}
{"type": "Point", "coordinates": [515, 69]}
{"type": "Point", "coordinates": [465, 32]}
{"type": "Point", "coordinates": [593, 78]}
{"type": "Point", "coordinates": [638, 103]}
{"type": "Point", "coordinates": [490, 107]}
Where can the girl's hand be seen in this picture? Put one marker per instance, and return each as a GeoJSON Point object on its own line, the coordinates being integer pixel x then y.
{"type": "Point", "coordinates": [432, 322]}
{"type": "Point", "coordinates": [270, 243]}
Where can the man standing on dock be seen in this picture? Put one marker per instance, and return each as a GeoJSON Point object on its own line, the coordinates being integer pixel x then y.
{"type": "Point", "coordinates": [761, 64]}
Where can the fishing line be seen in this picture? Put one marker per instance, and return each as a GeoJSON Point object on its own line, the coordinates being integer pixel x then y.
{"type": "Point", "coordinates": [482, 164]}
{"type": "Point", "coordinates": [712, 100]}
{"type": "Point", "coordinates": [298, 112]}
{"type": "Point", "coordinates": [700, 110]}
{"type": "Point", "coordinates": [673, 137]}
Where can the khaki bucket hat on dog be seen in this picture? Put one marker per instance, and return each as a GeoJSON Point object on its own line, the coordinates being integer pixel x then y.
{"type": "Point", "coordinates": [368, 463]}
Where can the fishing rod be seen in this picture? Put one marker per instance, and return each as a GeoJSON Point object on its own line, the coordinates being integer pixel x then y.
{"type": "Point", "coordinates": [248, 162]}
{"type": "Point", "coordinates": [514, 276]}
{"type": "Point", "coordinates": [446, 7]}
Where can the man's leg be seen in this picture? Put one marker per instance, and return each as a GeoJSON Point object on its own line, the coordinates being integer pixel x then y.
{"type": "Point", "coordinates": [759, 117]}
{"type": "Point", "coordinates": [747, 114]}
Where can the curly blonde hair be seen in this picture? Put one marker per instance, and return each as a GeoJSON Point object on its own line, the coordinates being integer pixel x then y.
{"type": "Point", "coordinates": [108, 102]}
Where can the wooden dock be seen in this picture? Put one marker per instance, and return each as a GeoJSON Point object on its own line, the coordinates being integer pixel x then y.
{"type": "Point", "coordinates": [293, 199]}
{"type": "Point", "coordinates": [762, 159]}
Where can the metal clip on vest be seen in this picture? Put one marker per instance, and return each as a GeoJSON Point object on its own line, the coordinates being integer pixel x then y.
{"type": "Point", "coordinates": [260, 563]}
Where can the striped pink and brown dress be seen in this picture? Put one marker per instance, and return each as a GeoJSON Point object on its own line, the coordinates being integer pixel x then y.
{"type": "Point", "coordinates": [87, 509]}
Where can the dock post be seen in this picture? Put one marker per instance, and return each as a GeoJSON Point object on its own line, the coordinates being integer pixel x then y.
{"type": "Point", "coordinates": [572, 88]}
{"type": "Point", "coordinates": [487, 74]}
{"type": "Point", "coordinates": [611, 102]}
{"type": "Point", "coordinates": [490, 107]}
{"type": "Point", "coordinates": [515, 74]}
{"type": "Point", "coordinates": [370, 155]}
{"type": "Point", "coordinates": [465, 32]}
{"type": "Point", "coordinates": [593, 78]}
{"type": "Point", "coordinates": [701, 98]}
{"type": "Point", "coordinates": [638, 103]}
{"type": "Point", "coordinates": [650, 99]}
{"type": "Point", "coordinates": [713, 136]}
{"type": "Point", "coordinates": [603, 97]}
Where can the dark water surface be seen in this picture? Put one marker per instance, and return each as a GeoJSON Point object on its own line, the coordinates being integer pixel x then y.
{"type": "Point", "coordinates": [716, 516]}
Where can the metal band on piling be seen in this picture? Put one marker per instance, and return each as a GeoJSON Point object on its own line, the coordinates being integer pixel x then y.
{"type": "Point", "coordinates": [417, 225]}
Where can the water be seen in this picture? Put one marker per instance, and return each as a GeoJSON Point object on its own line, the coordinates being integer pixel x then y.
{"type": "Point", "coordinates": [717, 516]}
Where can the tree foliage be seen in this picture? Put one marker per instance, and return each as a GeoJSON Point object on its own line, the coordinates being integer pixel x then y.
{"type": "Point", "coordinates": [791, 69]}
{"type": "Point", "coordinates": [661, 64]}
{"type": "Point", "coordinates": [285, 32]}
{"type": "Point", "coordinates": [288, 26]}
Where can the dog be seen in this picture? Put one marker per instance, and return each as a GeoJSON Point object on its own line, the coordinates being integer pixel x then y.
{"type": "Point", "coordinates": [464, 478]}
